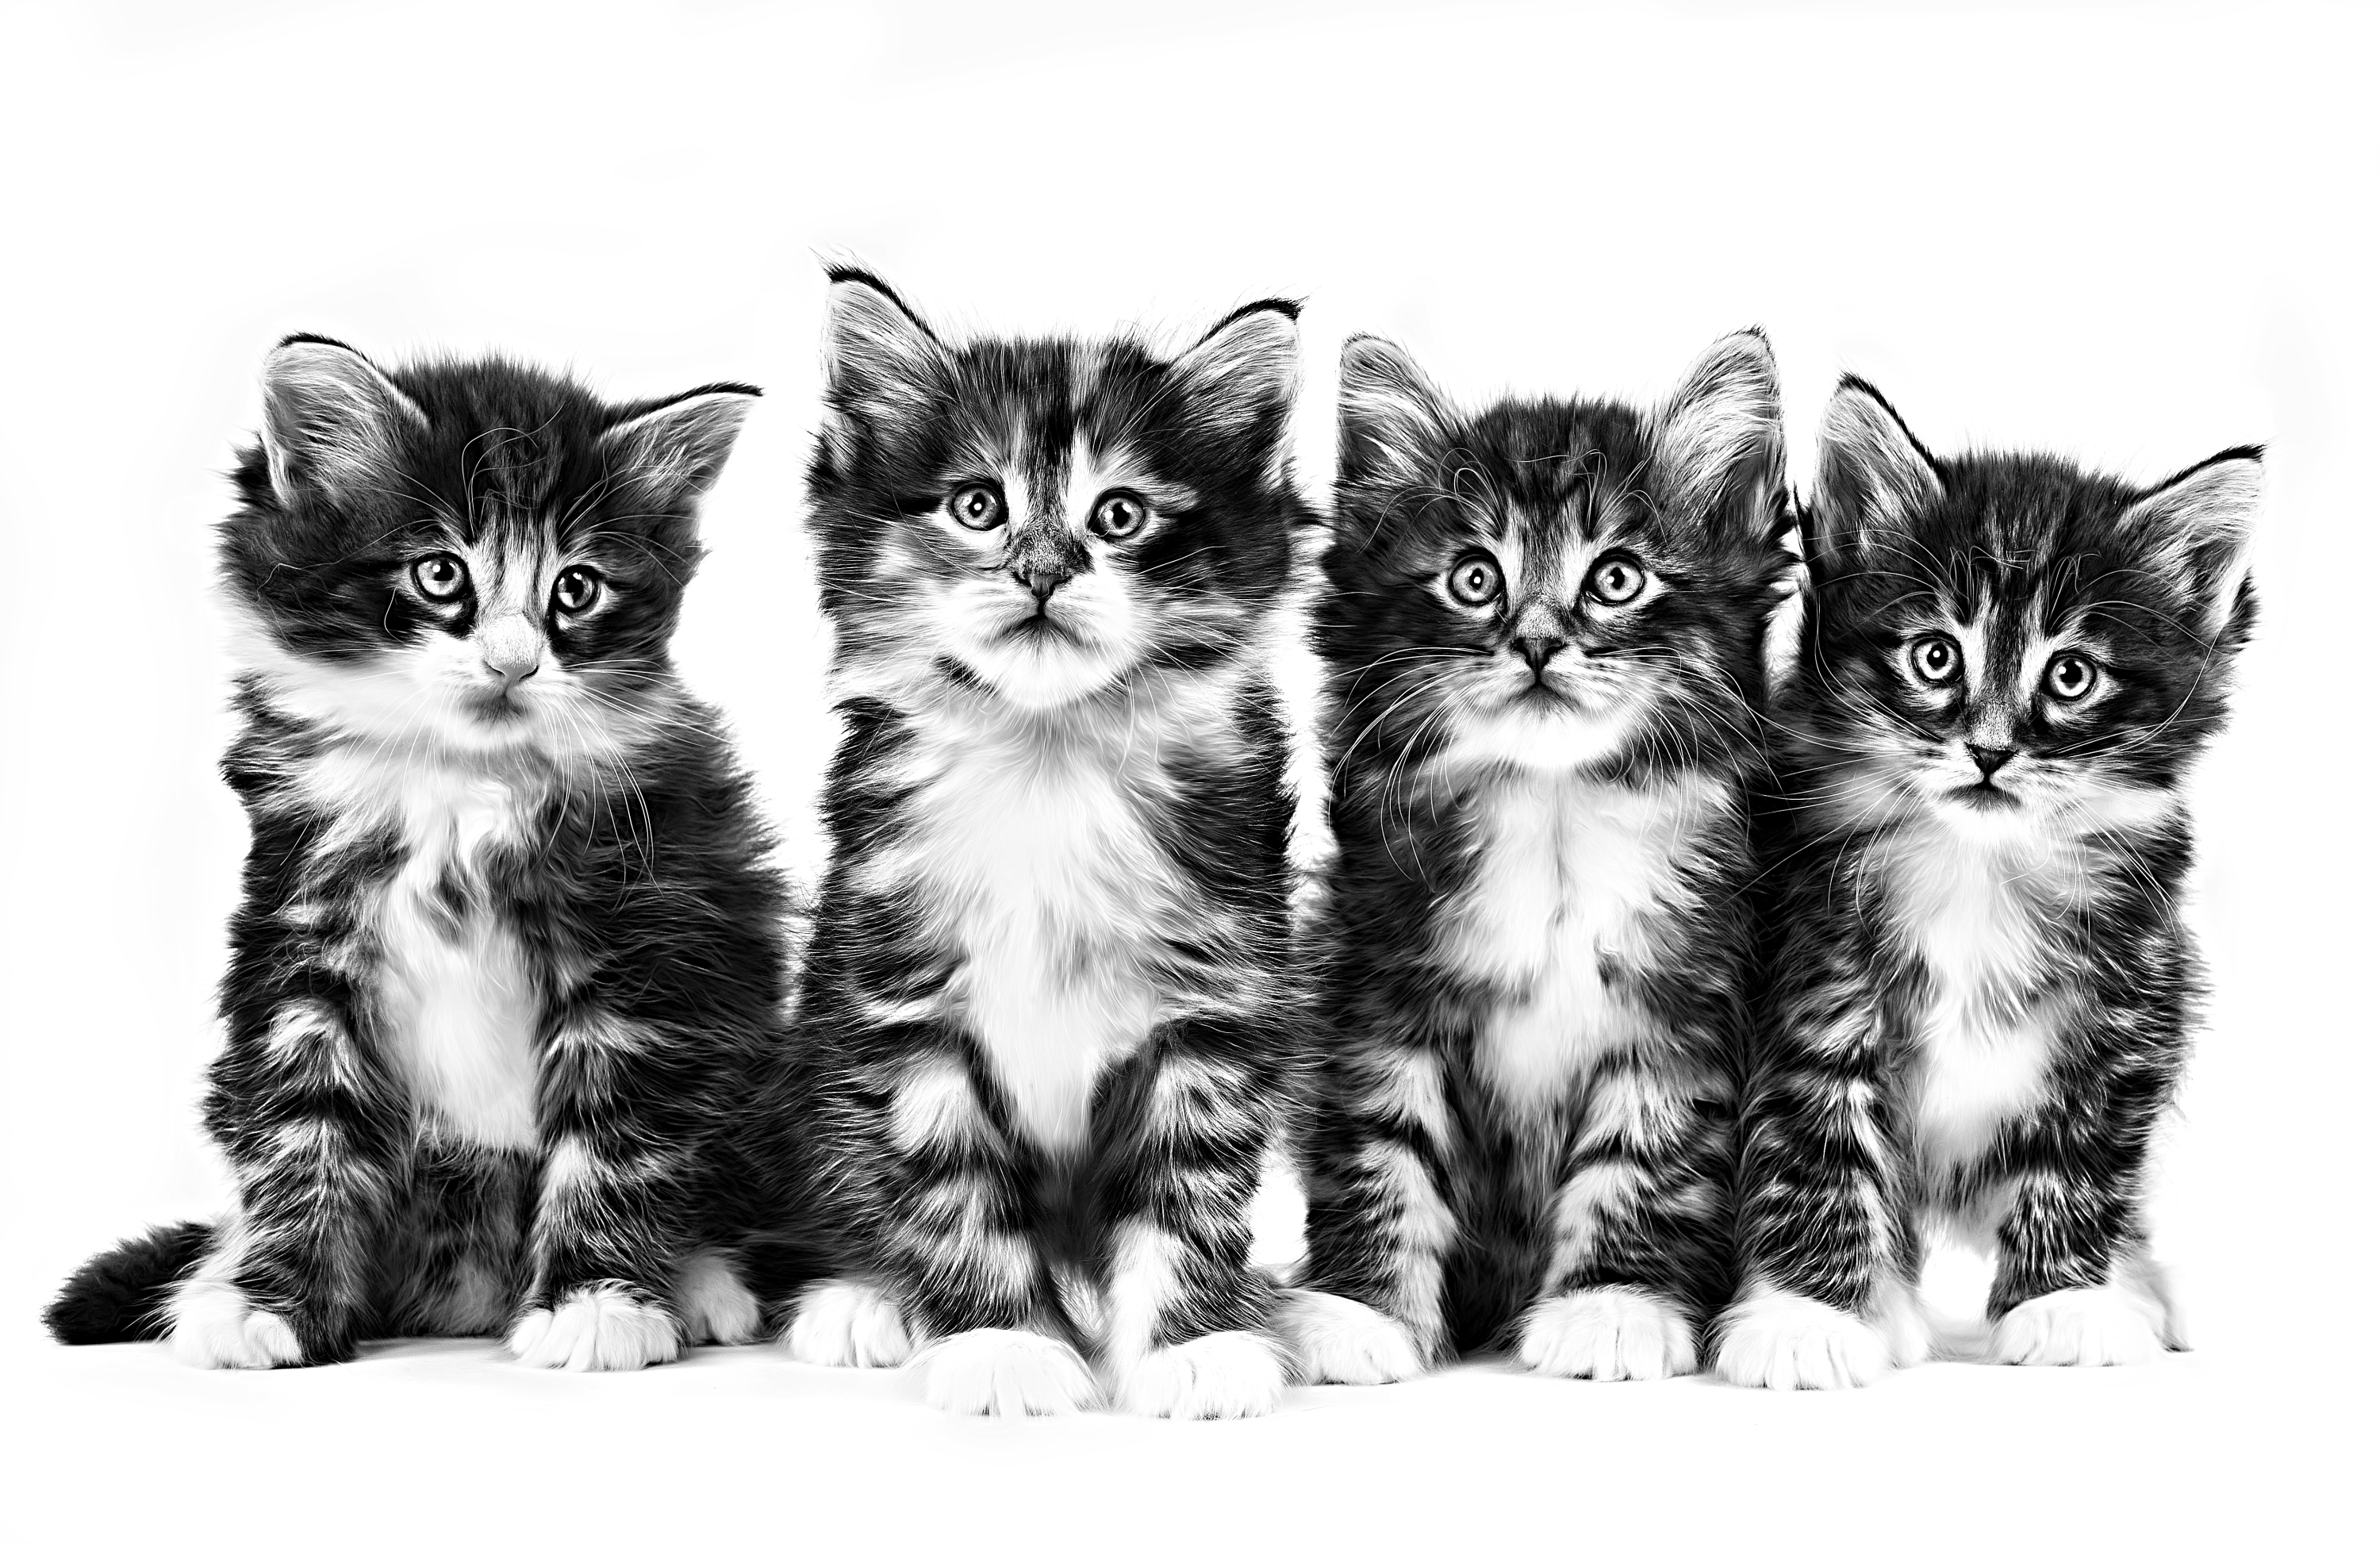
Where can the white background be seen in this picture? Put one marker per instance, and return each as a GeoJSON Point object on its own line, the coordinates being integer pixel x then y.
{"type": "Point", "coordinates": [2137, 235]}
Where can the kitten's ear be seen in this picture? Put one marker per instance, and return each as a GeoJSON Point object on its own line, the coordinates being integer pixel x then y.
{"type": "Point", "coordinates": [882, 363]}
{"type": "Point", "coordinates": [1393, 425]}
{"type": "Point", "coordinates": [2198, 526]}
{"type": "Point", "coordinates": [677, 449]}
{"type": "Point", "coordinates": [1721, 438]}
{"type": "Point", "coordinates": [1242, 377]}
{"type": "Point", "coordinates": [1873, 475]}
{"type": "Point", "coordinates": [332, 419]}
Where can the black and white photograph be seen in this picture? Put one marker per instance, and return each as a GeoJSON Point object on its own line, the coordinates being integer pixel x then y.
{"type": "Point", "coordinates": [1256, 770]}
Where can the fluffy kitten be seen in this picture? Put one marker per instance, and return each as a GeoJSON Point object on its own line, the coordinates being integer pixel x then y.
{"type": "Point", "coordinates": [509, 931]}
{"type": "Point", "coordinates": [1543, 629]}
{"type": "Point", "coordinates": [1983, 990]}
{"type": "Point", "coordinates": [1046, 989]}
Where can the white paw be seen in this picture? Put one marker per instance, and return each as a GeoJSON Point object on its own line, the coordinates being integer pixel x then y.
{"type": "Point", "coordinates": [595, 1329]}
{"type": "Point", "coordinates": [714, 1303]}
{"type": "Point", "coordinates": [1607, 1333]}
{"type": "Point", "coordinates": [2082, 1327]}
{"type": "Point", "coordinates": [848, 1324]}
{"type": "Point", "coordinates": [1783, 1340]}
{"type": "Point", "coordinates": [214, 1327]}
{"type": "Point", "coordinates": [1338, 1339]}
{"type": "Point", "coordinates": [1006, 1372]}
{"type": "Point", "coordinates": [1214, 1377]}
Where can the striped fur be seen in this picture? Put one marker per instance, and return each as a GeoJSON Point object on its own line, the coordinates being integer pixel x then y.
{"type": "Point", "coordinates": [1047, 1003]}
{"type": "Point", "coordinates": [1543, 633]}
{"type": "Point", "coordinates": [508, 935]}
{"type": "Point", "coordinates": [1983, 990]}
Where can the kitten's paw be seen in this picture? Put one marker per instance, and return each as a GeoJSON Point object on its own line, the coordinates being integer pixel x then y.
{"type": "Point", "coordinates": [2082, 1327]}
{"type": "Point", "coordinates": [1219, 1376]}
{"type": "Point", "coordinates": [848, 1324]}
{"type": "Point", "coordinates": [1006, 1372]}
{"type": "Point", "coordinates": [214, 1326]}
{"type": "Point", "coordinates": [1608, 1333]}
{"type": "Point", "coordinates": [1783, 1340]}
{"type": "Point", "coordinates": [714, 1303]}
{"type": "Point", "coordinates": [1338, 1339]}
{"type": "Point", "coordinates": [600, 1329]}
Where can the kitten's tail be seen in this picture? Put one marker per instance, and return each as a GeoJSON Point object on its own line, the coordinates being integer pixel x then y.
{"type": "Point", "coordinates": [121, 1294]}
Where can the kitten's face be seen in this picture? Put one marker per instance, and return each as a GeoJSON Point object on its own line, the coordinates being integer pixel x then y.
{"type": "Point", "coordinates": [1040, 521]}
{"type": "Point", "coordinates": [1551, 586]}
{"type": "Point", "coordinates": [466, 558]}
{"type": "Point", "coordinates": [2009, 645]}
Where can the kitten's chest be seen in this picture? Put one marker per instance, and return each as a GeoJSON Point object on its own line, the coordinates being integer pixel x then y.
{"type": "Point", "coordinates": [1989, 1014]}
{"type": "Point", "coordinates": [1570, 883]}
{"type": "Point", "coordinates": [1039, 868]}
{"type": "Point", "coordinates": [456, 998]}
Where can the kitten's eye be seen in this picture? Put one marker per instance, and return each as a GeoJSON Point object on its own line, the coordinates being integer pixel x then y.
{"type": "Point", "coordinates": [1617, 580]}
{"type": "Point", "coordinates": [441, 576]}
{"type": "Point", "coordinates": [1933, 658]}
{"type": "Point", "coordinates": [1118, 515]}
{"type": "Point", "coordinates": [1474, 580]}
{"type": "Point", "coordinates": [2070, 677]}
{"type": "Point", "coordinates": [576, 589]}
{"type": "Point", "coordinates": [978, 506]}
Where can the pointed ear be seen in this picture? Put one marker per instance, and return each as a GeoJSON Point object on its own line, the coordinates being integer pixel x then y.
{"type": "Point", "coordinates": [2198, 525]}
{"type": "Point", "coordinates": [1720, 438]}
{"type": "Point", "coordinates": [1873, 475]}
{"type": "Point", "coordinates": [332, 419]}
{"type": "Point", "coordinates": [1242, 377]}
{"type": "Point", "coordinates": [675, 450]}
{"type": "Point", "coordinates": [1394, 424]}
{"type": "Point", "coordinates": [882, 363]}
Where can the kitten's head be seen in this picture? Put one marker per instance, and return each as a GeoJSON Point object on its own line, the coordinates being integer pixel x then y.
{"type": "Point", "coordinates": [470, 557]}
{"type": "Point", "coordinates": [1553, 585]}
{"type": "Point", "coordinates": [1043, 520]}
{"type": "Point", "coordinates": [2009, 644]}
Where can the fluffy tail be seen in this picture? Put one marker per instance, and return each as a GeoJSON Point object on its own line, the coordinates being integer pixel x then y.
{"type": "Point", "coordinates": [121, 1295]}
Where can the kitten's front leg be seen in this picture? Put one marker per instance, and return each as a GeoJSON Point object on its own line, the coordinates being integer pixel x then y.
{"type": "Point", "coordinates": [2074, 1285]}
{"type": "Point", "coordinates": [312, 1135]}
{"type": "Point", "coordinates": [956, 1243]}
{"type": "Point", "coordinates": [1370, 1306]}
{"type": "Point", "coordinates": [1180, 1152]}
{"type": "Point", "coordinates": [604, 1245]}
{"type": "Point", "coordinates": [1638, 1225]}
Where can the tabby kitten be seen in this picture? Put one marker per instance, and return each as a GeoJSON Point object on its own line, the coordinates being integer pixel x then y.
{"type": "Point", "coordinates": [1046, 995]}
{"type": "Point", "coordinates": [1543, 632]}
{"type": "Point", "coordinates": [509, 926]}
{"type": "Point", "coordinates": [1983, 990]}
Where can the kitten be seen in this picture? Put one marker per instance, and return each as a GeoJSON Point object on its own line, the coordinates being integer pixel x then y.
{"type": "Point", "coordinates": [1543, 629]}
{"type": "Point", "coordinates": [509, 927]}
{"type": "Point", "coordinates": [1047, 996]}
{"type": "Point", "coordinates": [1983, 989]}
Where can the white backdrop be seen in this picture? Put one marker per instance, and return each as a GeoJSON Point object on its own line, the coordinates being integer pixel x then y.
{"type": "Point", "coordinates": [2137, 235]}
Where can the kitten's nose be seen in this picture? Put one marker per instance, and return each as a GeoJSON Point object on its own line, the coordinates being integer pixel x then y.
{"type": "Point", "coordinates": [1043, 582]}
{"type": "Point", "coordinates": [510, 648]}
{"type": "Point", "coordinates": [1990, 758]}
{"type": "Point", "coordinates": [1538, 650]}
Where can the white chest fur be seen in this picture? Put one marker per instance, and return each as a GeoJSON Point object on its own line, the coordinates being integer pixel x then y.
{"type": "Point", "coordinates": [1572, 873]}
{"type": "Point", "coordinates": [1975, 913]}
{"type": "Point", "coordinates": [454, 998]}
{"type": "Point", "coordinates": [1030, 847]}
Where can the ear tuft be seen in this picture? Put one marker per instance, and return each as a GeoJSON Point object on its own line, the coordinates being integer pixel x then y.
{"type": "Point", "coordinates": [1873, 476]}
{"type": "Point", "coordinates": [332, 419]}
{"type": "Point", "coordinates": [2198, 523]}
{"type": "Point", "coordinates": [1241, 376]}
{"type": "Point", "coordinates": [882, 362]}
{"type": "Point", "coordinates": [1721, 439]}
{"type": "Point", "coordinates": [675, 449]}
{"type": "Point", "coordinates": [1393, 424]}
